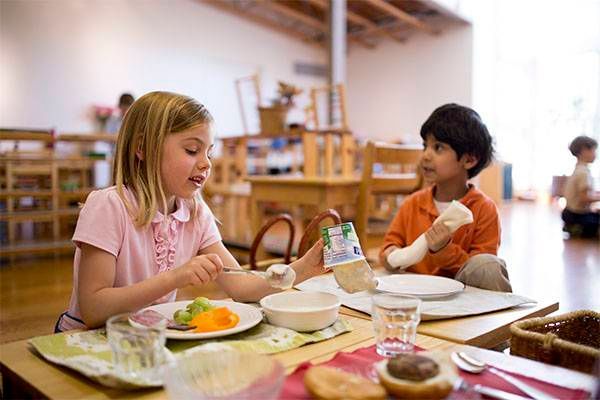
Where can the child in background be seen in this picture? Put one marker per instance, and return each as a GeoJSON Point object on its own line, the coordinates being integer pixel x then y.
{"type": "Point", "coordinates": [151, 234]}
{"type": "Point", "coordinates": [114, 122]}
{"type": "Point", "coordinates": [457, 146]}
{"type": "Point", "coordinates": [578, 216]}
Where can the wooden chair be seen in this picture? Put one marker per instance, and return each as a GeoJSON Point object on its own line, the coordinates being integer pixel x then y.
{"type": "Point", "coordinates": [311, 234]}
{"type": "Point", "coordinates": [328, 107]}
{"type": "Point", "coordinates": [253, 264]}
{"type": "Point", "coordinates": [389, 169]}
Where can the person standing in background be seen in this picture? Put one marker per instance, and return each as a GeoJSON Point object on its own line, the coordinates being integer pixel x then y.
{"type": "Point", "coordinates": [114, 122]}
{"type": "Point", "coordinates": [102, 169]}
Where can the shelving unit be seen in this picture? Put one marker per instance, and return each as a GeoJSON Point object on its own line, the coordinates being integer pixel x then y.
{"type": "Point", "coordinates": [316, 154]}
{"type": "Point", "coordinates": [40, 193]}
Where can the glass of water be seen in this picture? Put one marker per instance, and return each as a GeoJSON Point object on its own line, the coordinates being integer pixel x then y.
{"type": "Point", "coordinates": [395, 320]}
{"type": "Point", "coordinates": [138, 351]}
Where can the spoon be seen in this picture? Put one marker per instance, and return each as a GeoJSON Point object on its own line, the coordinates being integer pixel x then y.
{"type": "Point", "coordinates": [469, 364]}
{"type": "Point", "coordinates": [279, 276]}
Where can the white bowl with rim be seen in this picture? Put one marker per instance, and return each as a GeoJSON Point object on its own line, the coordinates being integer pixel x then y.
{"type": "Point", "coordinates": [301, 311]}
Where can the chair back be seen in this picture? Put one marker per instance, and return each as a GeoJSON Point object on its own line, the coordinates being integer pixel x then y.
{"type": "Point", "coordinates": [389, 169]}
{"type": "Point", "coordinates": [259, 236]}
{"type": "Point", "coordinates": [312, 229]}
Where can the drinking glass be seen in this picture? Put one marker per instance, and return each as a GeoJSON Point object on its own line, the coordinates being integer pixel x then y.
{"type": "Point", "coordinates": [395, 320]}
{"type": "Point", "coordinates": [138, 350]}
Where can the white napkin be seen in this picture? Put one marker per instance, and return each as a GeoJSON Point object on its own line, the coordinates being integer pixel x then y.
{"type": "Point", "coordinates": [453, 217]}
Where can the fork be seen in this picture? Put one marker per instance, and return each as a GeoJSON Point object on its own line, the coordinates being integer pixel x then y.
{"type": "Point", "coordinates": [480, 366]}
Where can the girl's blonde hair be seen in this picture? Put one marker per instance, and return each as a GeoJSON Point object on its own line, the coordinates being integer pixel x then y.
{"type": "Point", "coordinates": [139, 148]}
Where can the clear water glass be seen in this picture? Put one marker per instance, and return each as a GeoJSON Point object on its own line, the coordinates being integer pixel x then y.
{"type": "Point", "coordinates": [395, 320]}
{"type": "Point", "coordinates": [138, 351]}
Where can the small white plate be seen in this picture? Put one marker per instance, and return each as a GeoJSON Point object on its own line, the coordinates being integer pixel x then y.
{"type": "Point", "coordinates": [422, 286]}
{"type": "Point", "coordinates": [249, 317]}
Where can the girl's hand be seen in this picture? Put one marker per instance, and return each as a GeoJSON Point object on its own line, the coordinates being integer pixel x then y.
{"type": "Point", "coordinates": [311, 263]}
{"type": "Point", "coordinates": [198, 271]}
{"type": "Point", "coordinates": [438, 236]}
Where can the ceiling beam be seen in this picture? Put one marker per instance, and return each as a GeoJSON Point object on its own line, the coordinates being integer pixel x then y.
{"type": "Point", "coordinates": [306, 19]}
{"type": "Point", "coordinates": [401, 15]}
{"type": "Point", "coordinates": [370, 26]}
{"type": "Point", "coordinates": [264, 22]}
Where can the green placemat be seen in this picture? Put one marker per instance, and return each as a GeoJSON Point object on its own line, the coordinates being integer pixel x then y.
{"type": "Point", "coordinates": [89, 353]}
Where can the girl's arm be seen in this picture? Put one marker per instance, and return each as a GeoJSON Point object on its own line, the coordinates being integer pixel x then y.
{"type": "Point", "coordinates": [251, 288]}
{"type": "Point", "coordinates": [99, 300]}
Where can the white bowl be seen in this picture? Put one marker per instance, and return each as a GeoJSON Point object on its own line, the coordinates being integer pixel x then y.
{"type": "Point", "coordinates": [301, 311]}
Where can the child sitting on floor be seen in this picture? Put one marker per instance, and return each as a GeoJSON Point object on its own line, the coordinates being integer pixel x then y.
{"type": "Point", "coordinates": [578, 216]}
{"type": "Point", "coordinates": [457, 146]}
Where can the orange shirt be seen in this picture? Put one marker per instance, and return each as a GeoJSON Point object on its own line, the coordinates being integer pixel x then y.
{"type": "Point", "coordinates": [416, 215]}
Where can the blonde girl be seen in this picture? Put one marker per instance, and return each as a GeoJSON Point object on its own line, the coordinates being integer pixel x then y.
{"type": "Point", "coordinates": [151, 233]}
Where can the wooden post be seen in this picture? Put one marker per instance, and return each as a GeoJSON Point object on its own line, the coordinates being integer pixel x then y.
{"type": "Point", "coordinates": [310, 149]}
{"type": "Point", "coordinates": [348, 149]}
{"type": "Point", "coordinates": [329, 146]}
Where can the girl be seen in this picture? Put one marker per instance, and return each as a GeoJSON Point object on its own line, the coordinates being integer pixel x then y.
{"type": "Point", "coordinates": [139, 241]}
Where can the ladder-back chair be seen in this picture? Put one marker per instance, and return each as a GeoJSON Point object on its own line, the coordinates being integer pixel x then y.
{"type": "Point", "coordinates": [389, 169]}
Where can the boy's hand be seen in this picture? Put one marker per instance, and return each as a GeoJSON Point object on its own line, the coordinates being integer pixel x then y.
{"type": "Point", "coordinates": [198, 271]}
{"type": "Point", "coordinates": [438, 236]}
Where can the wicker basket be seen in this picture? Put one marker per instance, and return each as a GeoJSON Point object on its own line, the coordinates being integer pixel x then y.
{"type": "Point", "coordinates": [570, 340]}
{"type": "Point", "coordinates": [273, 120]}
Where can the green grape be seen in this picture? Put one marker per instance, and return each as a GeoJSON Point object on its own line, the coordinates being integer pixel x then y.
{"type": "Point", "coordinates": [204, 303]}
{"type": "Point", "coordinates": [182, 317]}
{"type": "Point", "coordinates": [193, 309]}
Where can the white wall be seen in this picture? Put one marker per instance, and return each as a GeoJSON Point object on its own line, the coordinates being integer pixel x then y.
{"type": "Point", "coordinates": [59, 57]}
{"type": "Point", "coordinates": [394, 88]}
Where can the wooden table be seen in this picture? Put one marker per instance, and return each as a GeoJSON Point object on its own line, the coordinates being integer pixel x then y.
{"type": "Point", "coordinates": [486, 330]}
{"type": "Point", "coordinates": [25, 374]}
{"type": "Point", "coordinates": [318, 192]}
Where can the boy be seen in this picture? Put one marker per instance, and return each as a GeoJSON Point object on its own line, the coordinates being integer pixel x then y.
{"type": "Point", "coordinates": [457, 146]}
{"type": "Point", "coordinates": [577, 215]}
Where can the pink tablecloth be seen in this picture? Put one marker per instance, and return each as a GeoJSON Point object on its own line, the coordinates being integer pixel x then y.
{"type": "Point", "coordinates": [360, 362]}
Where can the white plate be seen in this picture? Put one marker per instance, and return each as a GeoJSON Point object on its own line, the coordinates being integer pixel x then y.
{"type": "Point", "coordinates": [422, 286]}
{"type": "Point", "coordinates": [249, 317]}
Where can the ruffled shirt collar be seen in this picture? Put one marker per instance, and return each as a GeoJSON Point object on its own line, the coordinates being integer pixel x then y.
{"type": "Point", "coordinates": [165, 232]}
{"type": "Point", "coordinates": [182, 213]}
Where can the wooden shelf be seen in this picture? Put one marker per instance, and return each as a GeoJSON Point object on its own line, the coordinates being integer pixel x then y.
{"type": "Point", "coordinates": [17, 134]}
{"type": "Point", "coordinates": [38, 215]}
{"type": "Point", "coordinates": [41, 175]}
{"type": "Point", "coordinates": [37, 248]}
{"type": "Point", "coordinates": [25, 193]}
{"type": "Point", "coordinates": [87, 137]}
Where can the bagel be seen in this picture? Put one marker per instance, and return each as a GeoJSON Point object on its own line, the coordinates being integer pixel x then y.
{"type": "Point", "coordinates": [410, 383]}
{"type": "Point", "coordinates": [326, 383]}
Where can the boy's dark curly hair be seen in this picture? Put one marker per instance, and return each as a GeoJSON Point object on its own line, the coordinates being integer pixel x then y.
{"type": "Point", "coordinates": [462, 129]}
{"type": "Point", "coordinates": [580, 143]}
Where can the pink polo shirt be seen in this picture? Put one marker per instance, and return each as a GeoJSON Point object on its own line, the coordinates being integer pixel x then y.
{"type": "Point", "coordinates": [140, 252]}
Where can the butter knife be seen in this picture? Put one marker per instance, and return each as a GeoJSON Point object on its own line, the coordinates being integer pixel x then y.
{"type": "Point", "coordinates": [488, 391]}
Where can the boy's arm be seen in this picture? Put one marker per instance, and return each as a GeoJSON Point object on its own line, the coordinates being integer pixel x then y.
{"type": "Point", "coordinates": [486, 239]}
{"type": "Point", "coordinates": [395, 237]}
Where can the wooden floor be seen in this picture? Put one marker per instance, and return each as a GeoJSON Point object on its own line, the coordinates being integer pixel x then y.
{"type": "Point", "coordinates": [542, 264]}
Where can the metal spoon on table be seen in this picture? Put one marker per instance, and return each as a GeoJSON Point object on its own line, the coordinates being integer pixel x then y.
{"type": "Point", "coordinates": [470, 364]}
{"type": "Point", "coordinates": [279, 276]}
